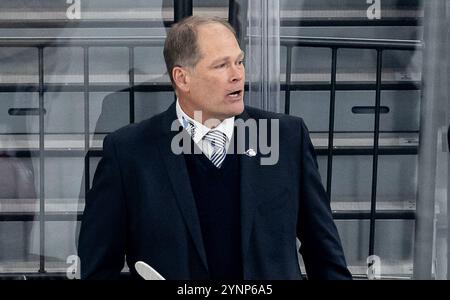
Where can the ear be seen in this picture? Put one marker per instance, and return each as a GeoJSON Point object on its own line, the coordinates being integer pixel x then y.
{"type": "Point", "coordinates": [181, 78]}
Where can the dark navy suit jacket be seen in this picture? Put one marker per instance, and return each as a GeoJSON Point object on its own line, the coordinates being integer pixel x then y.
{"type": "Point", "coordinates": [141, 207]}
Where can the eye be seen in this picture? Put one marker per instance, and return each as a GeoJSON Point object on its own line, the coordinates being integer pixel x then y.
{"type": "Point", "coordinates": [221, 66]}
{"type": "Point", "coordinates": [241, 62]}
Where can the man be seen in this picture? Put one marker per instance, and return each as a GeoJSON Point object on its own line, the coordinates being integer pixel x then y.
{"type": "Point", "coordinates": [218, 214]}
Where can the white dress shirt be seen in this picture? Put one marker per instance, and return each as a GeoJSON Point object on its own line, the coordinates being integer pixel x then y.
{"type": "Point", "coordinates": [226, 126]}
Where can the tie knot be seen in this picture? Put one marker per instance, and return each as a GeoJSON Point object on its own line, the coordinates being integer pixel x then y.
{"type": "Point", "coordinates": [218, 141]}
{"type": "Point", "coordinates": [217, 138]}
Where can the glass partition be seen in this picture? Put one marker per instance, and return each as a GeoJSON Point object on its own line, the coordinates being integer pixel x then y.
{"type": "Point", "coordinates": [369, 78]}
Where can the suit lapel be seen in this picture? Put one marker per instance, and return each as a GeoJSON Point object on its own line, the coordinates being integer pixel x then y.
{"type": "Point", "coordinates": [179, 178]}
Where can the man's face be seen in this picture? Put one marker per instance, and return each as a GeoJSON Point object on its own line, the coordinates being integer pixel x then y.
{"type": "Point", "coordinates": [216, 84]}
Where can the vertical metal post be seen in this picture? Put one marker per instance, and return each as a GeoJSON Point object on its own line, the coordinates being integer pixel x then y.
{"type": "Point", "coordinates": [233, 9]}
{"type": "Point", "coordinates": [434, 91]}
{"type": "Point", "coordinates": [237, 17]}
{"type": "Point", "coordinates": [373, 200]}
{"type": "Point", "coordinates": [287, 93]}
{"type": "Point", "coordinates": [448, 191]}
{"type": "Point", "coordinates": [86, 121]}
{"type": "Point", "coordinates": [131, 83]}
{"type": "Point", "coordinates": [182, 9]}
{"type": "Point", "coordinates": [41, 162]}
{"type": "Point", "coordinates": [331, 120]}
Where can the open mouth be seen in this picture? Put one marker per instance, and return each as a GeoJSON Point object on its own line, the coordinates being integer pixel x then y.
{"type": "Point", "coordinates": [235, 94]}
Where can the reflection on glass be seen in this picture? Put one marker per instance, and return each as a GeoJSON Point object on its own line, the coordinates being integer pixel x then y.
{"type": "Point", "coordinates": [82, 85]}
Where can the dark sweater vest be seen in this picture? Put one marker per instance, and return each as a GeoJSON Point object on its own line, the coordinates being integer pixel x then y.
{"type": "Point", "coordinates": [217, 196]}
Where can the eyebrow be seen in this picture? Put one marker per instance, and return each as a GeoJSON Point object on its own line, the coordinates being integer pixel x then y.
{"type": "Point", "coordinates": [242, 54]}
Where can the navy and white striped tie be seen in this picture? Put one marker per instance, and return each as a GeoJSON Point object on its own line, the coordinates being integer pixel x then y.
{"type": "Point", "coordinates": [218, 141]}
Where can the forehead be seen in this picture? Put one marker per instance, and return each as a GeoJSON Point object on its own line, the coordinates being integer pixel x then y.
{"type": "Point", "coordinates": [216, 39]}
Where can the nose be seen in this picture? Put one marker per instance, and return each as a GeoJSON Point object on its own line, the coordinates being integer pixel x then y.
{"type": "Point", "coordinates": [237, 73]}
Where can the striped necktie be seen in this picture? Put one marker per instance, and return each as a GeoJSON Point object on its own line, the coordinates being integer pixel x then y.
{"type": "Point", "coordinates": [218, 141]}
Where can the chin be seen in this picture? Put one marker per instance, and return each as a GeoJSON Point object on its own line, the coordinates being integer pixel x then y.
{"type": "Point", "coordinates": [229, 110]}
{"type": "Point", "coordinates": [237, 108]}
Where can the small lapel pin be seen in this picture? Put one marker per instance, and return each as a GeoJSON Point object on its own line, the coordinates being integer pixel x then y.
{"type": "Point", "coordinates": [250, 152]}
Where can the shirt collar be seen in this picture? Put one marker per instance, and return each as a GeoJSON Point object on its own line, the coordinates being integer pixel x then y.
{"type": "Point", "coordinates": [226, 126]}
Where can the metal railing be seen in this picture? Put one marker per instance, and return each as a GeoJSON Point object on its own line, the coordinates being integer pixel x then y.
{"type": "Point", "coordinates": [344, 43]}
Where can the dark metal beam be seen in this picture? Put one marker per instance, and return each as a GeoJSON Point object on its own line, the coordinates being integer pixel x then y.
{"type": "Point", "coordinates": [331, 120]}
{"type": "Point", "coordinates": [167, 87]}
{"type": "Point", "coordinates": [352, 43]}
{"type": "Point", "coordinates": [182, 9]}
{"type": "Point", "coordinates": [373, 197]}
{"type": "Point", "coordinates": [86, 93]}
{"type": "Point", "coordinates": [346, 22]}
{"type": "Point", "coordinates": [337, 214]}
{"type": "Point", "coordinates": [367, 215]}
{"type": "Point", "coordinates": [157, 41]}
{"type": "Point", "coordinates": [41, 162]}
